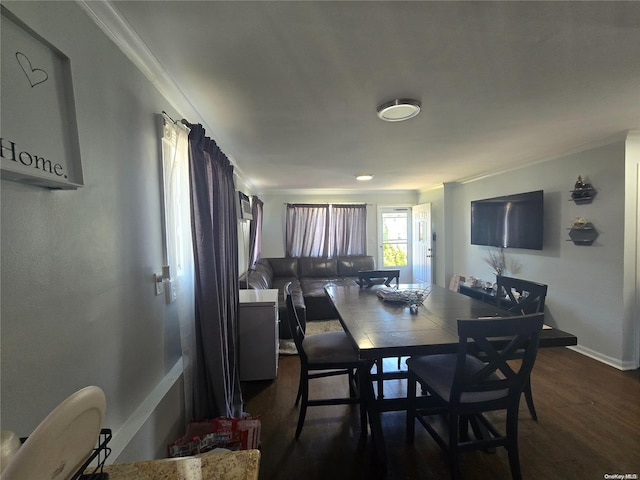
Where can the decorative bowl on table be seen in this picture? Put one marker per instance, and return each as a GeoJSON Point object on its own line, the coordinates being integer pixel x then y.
{"type": "Point", "coordinates": [413, 297]}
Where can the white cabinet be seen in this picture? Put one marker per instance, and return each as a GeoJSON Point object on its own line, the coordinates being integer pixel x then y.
{"type": "Point", "coordinates": [258, 334]}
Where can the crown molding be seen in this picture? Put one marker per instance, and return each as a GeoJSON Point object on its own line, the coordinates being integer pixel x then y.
{"type": "Point", "coordinates": [106, 15]}
{"type": "Point", "coordinates": [117, 28]}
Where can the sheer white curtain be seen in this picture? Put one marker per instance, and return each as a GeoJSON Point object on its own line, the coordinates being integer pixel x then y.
{"type": "Point", "coordinates": [318, 230]}
{"type": "Point", "coordinates": [348, 230]}
{"type": "Point", "coordinates": [306, 234]}
{"type": "Point", "coordinates": [178, 246]}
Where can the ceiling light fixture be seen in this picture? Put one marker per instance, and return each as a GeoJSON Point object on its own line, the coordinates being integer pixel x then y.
{"type": "Point", "coordinates": [364, 178]}
{"type": "Point", "coordinates": [399, 110]}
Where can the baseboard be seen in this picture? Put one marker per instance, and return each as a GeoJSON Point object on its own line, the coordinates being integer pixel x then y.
{"type": "Point", "coordinates": [136, 421]}
{"type": "Point", "coordinates": [613, 362]}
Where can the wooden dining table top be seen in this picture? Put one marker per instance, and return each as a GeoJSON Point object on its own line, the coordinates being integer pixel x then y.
{"type": "Point", "coordinates": [382, 329]}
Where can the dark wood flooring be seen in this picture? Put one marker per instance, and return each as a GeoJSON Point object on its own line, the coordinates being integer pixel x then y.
{"type": "Point", "coordinates": [589, 426]}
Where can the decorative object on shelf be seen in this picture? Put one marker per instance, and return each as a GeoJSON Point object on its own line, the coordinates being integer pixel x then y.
{"type": "Point", "coordinates": [582, 232]}
{"type": "Point", "coordinates": [497, 261]}
{"type": "Point", "coordinates": [578, 222]}
{"type": "Point", "coordinates": [582, 192]}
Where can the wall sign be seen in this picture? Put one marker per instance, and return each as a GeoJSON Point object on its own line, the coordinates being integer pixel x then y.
{"type": "Point", "coordinates": [38, 131]}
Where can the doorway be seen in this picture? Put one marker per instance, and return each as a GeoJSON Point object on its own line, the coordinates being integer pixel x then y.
{"type": "Point", "coordinates": [395, 241]}
{"type": "Point", "coordinates": [422, 244]}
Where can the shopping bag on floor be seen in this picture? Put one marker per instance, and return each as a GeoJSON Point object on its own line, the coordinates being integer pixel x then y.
{"type": "Point", "coordinates": [230, 433]}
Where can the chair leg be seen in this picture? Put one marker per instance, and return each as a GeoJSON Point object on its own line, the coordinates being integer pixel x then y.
{"type": "Point", "coordinates": [353, 392]}
{"type": "Point", "coordinates": [454, 429]}
{"type": "Point", "coordinates": [512, 443]}
{"type": "Point", "coordinates": [303, 408]}
{"type": "Point", "coordinates": [528, 396]}
{"type": "Point", "coordinates": [411, 408]}
{"type": "Point", "coordinates": [363, 403]}
{"type": "Point", "coordinates": [380, 379]}
{"type": "Point", "coordinates": [463, 430]}
{"type": "Point", "coordinates": [300, 387]}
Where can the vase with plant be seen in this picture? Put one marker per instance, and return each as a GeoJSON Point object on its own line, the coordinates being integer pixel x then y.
{"type": "Point", "coordinates": [497, 261]}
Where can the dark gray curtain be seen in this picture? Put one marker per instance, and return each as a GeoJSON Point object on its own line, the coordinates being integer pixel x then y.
{"type": "Point", "coordinates": [348, 230]}
{"type": "Point", "coordinates": [215, 250]}
{"type": "Point", "coordinates": [255, 231]}
{"type": "Point", "coordinates": [307, 227]}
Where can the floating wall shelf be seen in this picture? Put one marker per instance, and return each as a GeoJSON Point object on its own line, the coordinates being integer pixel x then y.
{"type": "Point", "coordinates": [583, 195]}
{"type": "Point", "coordinates": [585, 235]}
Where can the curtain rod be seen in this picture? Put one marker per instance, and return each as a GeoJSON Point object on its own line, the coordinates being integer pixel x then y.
{"type": "Point", "coordinates": [338, 203]}
{"type": "Point", "coordinates": [182, 122]}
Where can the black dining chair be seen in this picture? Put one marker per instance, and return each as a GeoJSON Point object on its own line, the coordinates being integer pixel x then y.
{"type": "Point", "coordinates": [463, 387]}
{"type": "Point", "coordinates": [324, 355]}
{"type": "Point", "coordinates": [522, 297]}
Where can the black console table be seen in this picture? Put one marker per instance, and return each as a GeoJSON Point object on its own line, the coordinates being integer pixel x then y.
{"type": "Point", "coordinates": [487, 295]}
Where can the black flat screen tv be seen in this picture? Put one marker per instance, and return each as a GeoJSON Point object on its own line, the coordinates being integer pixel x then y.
{"type": "Point", "coordinates": [512, 221]}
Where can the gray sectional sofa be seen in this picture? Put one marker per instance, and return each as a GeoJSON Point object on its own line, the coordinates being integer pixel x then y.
{"type": "Point", "coordinates": [308, 276]}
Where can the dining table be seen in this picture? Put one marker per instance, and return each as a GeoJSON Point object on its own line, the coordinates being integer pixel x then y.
{"type": "Point", "coordinates": [382, 325]}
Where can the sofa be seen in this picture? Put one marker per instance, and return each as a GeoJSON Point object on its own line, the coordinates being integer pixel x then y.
{"type": "Point", "coordinates": [308, 277]}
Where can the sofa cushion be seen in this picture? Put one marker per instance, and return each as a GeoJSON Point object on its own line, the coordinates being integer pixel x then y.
{"type": "Point", "coordinates": [350, 266]}
{"type": "Point", "coordinates": [298, 303]}
{"type": "Point", "coordinates": [283, 267]}
{"type": "Point", "coordinates": [260, 277]}
{"type": "Point", "coordinates": [317, 267]}
{"type": "Point", "coordinates": [264, 267]}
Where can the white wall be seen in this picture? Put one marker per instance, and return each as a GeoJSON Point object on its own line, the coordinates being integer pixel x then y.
{"type": "Point", "coordinates": [273, 226]}
{"type": "Point", "coordinates": [78, 303]}
{"type": "Point", "coordinates": [586, 285]}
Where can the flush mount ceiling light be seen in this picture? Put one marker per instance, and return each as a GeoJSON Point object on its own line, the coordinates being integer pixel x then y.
{"type": "Point", "coordinates": [399, 110]}
{"type": "Point", "coordinates": [364, 178]}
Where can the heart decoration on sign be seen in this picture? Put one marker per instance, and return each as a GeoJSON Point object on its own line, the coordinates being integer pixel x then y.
{"type": "Point", "coordinates": [36, 76]}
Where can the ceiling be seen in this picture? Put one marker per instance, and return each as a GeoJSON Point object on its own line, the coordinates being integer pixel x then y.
{"type": "Point", "coordinates": [289, 90]}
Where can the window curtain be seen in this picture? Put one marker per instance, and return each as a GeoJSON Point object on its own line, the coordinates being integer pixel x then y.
{"type": "Point", "coordinates": [215, 249]}
{"type": "Point", "coordinates": [348, 230]}
{"type": "Point", "coordinates": [178, 253]}
{"type": "Point", "coordinates": [306, 230]}
{"type": "Point", "coordinates": [255, 231]}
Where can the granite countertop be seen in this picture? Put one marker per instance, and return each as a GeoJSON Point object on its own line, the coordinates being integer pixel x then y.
{"type": "Point", "coordinates": [238, 465]}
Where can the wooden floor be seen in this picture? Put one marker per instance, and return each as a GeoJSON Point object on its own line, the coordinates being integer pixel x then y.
{"type": "Point", "coordinates": [589, 426]}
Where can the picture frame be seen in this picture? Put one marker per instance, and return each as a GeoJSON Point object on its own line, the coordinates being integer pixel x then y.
{"type": "Point", "coordinates": [39, 142]}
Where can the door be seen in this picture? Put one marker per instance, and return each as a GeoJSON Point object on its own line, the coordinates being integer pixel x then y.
{"type": "Point", "coordinates": [422, 246]}
{"type": "Point", "coordinates": [394, 240]}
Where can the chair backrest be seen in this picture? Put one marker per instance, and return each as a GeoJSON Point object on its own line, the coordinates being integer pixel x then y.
{"type": "Point", "coordinates": [297, 331]}
{"type": "Point", "coordinates": [496, 341]}
{"type": "Point", "coordinates": [531, 299]}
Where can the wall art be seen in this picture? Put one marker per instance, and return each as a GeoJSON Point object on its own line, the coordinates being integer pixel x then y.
{"type": "Point", "coordinates": [38, 131]}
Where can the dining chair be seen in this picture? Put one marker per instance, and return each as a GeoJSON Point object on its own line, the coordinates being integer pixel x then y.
{"type": "Point", "coordinates": [522, 297]}
{"type": "Point", "coordinates": [463, 387]}
{"type": "Point", "coordinates": [324, 355]}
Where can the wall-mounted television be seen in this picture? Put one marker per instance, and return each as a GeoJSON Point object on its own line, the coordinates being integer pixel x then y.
{"type": "Point", "coordinates": [511, 221]}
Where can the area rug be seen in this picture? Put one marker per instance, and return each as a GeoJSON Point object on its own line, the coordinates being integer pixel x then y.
{"type": "Point", "coordinates": [287, 347]}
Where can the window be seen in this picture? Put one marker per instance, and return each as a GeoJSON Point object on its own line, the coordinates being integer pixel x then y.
{"type": "Point", "coordinates": [395, 239]}
{"type": "Point", "coordinates": [321, 230]}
